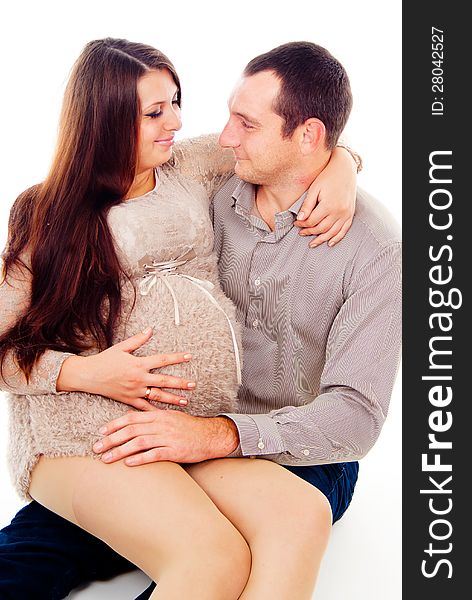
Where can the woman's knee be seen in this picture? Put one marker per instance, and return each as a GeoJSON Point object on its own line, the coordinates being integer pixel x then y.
{"type": "Point", "coordinates": [218, 551]}
{"type": "Point", "coordinates": [172, 526]}
{"type": "Point", "coordinates": [156, 517]}
{"type": "Point", "coordinates": [301, 518]}
{"type": "Point", "coordinates": [308, 518]}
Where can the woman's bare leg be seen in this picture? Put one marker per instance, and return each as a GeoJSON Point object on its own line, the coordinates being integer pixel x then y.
{"type": "Point", "coordinates": [285, 520]}
{"type": "Point", "coordinates": [156, 516]}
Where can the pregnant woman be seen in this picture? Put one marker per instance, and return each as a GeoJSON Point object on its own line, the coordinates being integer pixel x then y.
{"type": "Point", "coordinates": [117, 239]}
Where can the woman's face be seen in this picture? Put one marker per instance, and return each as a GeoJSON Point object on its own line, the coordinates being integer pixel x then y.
{"type": "Point", "coordinates": [160, 119]}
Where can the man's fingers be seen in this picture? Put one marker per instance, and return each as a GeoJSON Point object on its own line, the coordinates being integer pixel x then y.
{"type": "Point", "coordinates": [150, 456]}
{"type": "Point", "coordinates": [123, 436]}
{"type": "Point", "coordinates": [135, 341]}
{"type": "Point", "coordinates": [130, 418]}
{"type": "Point", "coordinates": [153, 455]}
{"type": "Point", "coordinates": [137, 444]}
{"type": "Point", "coordinates": [156, 361]}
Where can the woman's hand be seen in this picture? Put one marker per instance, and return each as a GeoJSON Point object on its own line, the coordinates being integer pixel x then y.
{"type": "Point", "coordinates": [117, 374]}
{"type": "Point", "coordinates": [329, 206]}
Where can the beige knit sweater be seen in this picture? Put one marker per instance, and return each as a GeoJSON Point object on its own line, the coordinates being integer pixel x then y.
{"type": "Point", "coordinates": [181, 300]}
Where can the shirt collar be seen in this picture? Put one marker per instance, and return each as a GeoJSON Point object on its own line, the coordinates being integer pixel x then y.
{"type": "Point", "coordinates": [245, 194]}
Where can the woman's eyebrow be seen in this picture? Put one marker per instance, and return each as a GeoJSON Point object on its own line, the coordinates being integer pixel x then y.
{"type": "Point", "coordinates": [157, 103]}
{"type": "Point", "coordinates": [153, 105]}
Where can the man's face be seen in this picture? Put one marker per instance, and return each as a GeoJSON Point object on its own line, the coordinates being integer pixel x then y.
{"type": "Point", "coordinates": [254, 131]}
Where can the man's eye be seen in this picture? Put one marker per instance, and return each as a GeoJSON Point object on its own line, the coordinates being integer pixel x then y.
{"type": "Point", "coordinates": [247, 125]}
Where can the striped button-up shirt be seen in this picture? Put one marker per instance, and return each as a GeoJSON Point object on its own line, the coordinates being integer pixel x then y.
{"type": "Point", "coordinates": [321, 328]}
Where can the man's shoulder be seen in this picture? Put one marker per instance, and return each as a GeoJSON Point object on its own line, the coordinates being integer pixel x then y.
{"type": "Point", "coordinates": [373, 222]}
{"type": "Point", "coordinates": [374, 236]}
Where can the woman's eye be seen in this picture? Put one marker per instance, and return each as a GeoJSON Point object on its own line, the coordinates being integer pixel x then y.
{"type": "Point", "coordinates": [154, 115]}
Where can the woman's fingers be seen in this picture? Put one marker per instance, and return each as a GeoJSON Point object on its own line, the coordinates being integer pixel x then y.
{"type": "Point", "coordinates": [159, 380]}
{"type": "Point", "coordinates": [328, 231]}
{"type": "Point", "coordinates": [309, 204]}
{"type": "Point", "coordinates": [141, 404]}
{"type": "Point", "coordinates": [134, 342]}
{"type": "Point", "coordinates": [326, 237]}
{"type": "Point", "coordinates": [323, 226]}
{"type": "Point", "coordinates": [157, 361]}
{"type": "Point", "coordinates": [124, 377]}
{"type": "Point", "coordinates": [344, 229]}
{"type": "Point", "coordinates": [158, 395]}
{"type": "Point", "coordinates": [314, 218]}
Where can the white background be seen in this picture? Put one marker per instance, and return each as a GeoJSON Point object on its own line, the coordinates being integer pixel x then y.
{"type": "Point", "coordinates": [210, 42]}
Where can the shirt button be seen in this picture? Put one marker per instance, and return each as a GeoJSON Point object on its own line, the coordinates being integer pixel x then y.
{"type": "Point", "coordinates": [261, 444]}
{"type": "Point", "coordinates": [257, 281]}
{"type": "Point", "coordinates": [255, 323]}
{"type": "Point", "coordinates": [306, 452]}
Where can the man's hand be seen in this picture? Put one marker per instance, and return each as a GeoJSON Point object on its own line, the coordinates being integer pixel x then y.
{"type": "Point", "coordinates": [152, 436]}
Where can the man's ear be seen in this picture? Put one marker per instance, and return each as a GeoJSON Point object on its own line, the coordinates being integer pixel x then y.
{"type": "Point", "coordinates": [313, 135]}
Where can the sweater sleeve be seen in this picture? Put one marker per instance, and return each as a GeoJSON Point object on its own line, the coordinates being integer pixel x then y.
{"type": "Point", "coordinates": [357, 158]}
{"type": "Point", "coordinates": [14, 300]}
{"type": "Point", "coordinates": [202, 159]}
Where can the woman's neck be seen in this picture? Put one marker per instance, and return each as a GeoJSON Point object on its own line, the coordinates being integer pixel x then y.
{"type": "Point", "coordinates": [142, 184]}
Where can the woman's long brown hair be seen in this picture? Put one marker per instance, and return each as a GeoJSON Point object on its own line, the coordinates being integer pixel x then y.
{"type": "Point", "coordinates": [58, 229]}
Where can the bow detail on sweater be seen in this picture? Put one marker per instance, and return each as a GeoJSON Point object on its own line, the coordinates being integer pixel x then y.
{"type": "Point", "coordinates": [164, 271]}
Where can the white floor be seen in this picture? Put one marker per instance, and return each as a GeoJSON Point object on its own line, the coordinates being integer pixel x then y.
{"type": "Point", "coordinates": [363, 560]}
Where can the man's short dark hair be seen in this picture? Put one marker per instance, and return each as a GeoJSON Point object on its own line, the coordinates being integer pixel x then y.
{"type": "Point", "coordinates": [313, 84]}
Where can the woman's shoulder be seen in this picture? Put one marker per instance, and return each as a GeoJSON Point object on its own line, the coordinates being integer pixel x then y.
{"type": "Point", "coordinates": [23, 205]}
{"type": "Point", "coordinates": [195, 149]}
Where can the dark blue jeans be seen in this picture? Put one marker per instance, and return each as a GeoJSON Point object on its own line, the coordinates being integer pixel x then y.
{"type": "Point", "coordinates": [44, 557]}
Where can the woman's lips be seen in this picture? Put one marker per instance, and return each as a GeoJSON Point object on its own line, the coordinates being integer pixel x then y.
{"type": "Point", "coordinates": [166, 142]}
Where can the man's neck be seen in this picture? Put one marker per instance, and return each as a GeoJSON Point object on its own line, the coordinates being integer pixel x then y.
{"type": "Point", "coordinates": [271, 200]}
{"type": "Point", "coordinates": [279, 196]}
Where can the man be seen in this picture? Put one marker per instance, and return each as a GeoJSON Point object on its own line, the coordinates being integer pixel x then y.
{"type": "Point", "coordinates": [321, 329]}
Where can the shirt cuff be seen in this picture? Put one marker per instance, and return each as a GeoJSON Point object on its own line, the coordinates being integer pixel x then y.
{"type": "Point", "coordinates": [258, 435]}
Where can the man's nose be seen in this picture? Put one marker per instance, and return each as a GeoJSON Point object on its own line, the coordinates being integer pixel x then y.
{"type": "Point", "coordinates": [228, 137]}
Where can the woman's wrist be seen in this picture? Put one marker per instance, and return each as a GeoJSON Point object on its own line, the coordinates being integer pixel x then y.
{"type": "Point", "coordinates": [355, 158]}
{"type": "Point", "coordinates": [70, 376]}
